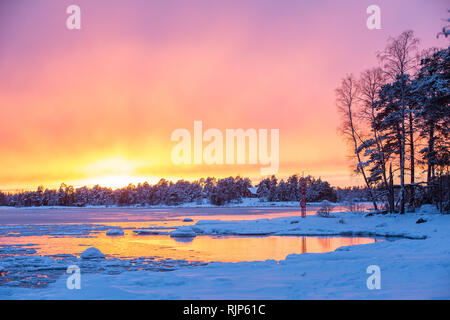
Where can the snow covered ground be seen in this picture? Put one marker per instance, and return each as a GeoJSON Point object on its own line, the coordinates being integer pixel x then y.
{"type": "Point", "coordinates": [414, 266]}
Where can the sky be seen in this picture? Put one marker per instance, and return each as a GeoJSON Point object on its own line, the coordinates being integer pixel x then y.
{"type": "Point", "coordinates": [99, 104]}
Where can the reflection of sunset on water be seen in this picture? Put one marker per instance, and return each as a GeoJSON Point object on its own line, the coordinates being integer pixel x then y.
{"type": "Point", "coordinates": [201, 248]}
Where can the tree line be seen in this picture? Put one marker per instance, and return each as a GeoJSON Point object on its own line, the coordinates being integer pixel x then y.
{"type": "Point", "coordinates": [396, 119]}
{"type": "Point", "coordinates": [209, 190]}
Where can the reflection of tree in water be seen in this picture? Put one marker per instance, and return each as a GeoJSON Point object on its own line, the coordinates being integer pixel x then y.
{"type": "Point", "coordinates": [304, 245]}
{"type": "Point", "coordinates": [324, 243]}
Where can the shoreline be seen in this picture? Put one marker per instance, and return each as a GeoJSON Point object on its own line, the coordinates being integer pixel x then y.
{"type": "Point", "coordinates": [414, 266]}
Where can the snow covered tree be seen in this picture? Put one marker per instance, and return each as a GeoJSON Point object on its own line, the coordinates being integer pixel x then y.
{"type": "Point", "coordinates": [432, 92]}
{"type": "Point", "coordinates": [389, 122]}
{"type": "Point", "coordinates": [267, 189]}
{"type": "Point", "coordinates": [318, 190]}
{"type": "Point", "coordinates": [399, 59]}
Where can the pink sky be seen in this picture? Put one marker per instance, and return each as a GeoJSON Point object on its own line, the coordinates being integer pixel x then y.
{"type": "Point", "coordinates": [98, 105]}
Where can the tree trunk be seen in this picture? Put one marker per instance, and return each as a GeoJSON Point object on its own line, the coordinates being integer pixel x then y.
{"type": "Point", "coordinates": [383, 165]}
{"type": "Point", "coordinates": [391, 189]}
{"type": "Point", "coordinates": [402, 149]}
{"type": "Point", "coordinates": [430, 152]}
{"type": "Point", "coordinates": [412, 161]}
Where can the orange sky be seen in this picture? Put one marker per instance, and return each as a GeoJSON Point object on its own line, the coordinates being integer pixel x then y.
{"type": "Point", "coordinates": [98, 105]}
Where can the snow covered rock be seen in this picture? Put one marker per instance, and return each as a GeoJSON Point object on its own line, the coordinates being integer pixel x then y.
{"type": "Point", "coordinates": [92, 253]}
{"type": "Point", "coordinates": [115, 232]}
{"type": "Point", "coordinates": [187, 220]}
{"type": "Point", "coordinates": [183, 232]}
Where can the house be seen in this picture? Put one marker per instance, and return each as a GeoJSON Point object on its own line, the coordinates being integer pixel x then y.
{"type": "Point", "coordinates": [252, 192]}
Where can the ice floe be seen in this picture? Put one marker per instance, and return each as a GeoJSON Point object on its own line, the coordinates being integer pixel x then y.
{"type": "Point", "coordinates": [115, 232]}
{"type": "Point", "coordinates": [183, 232]}
{"type": "Point", "coordinates": [92, 253]}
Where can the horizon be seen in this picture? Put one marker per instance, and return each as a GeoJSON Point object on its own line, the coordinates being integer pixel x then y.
{"type": "Point", "coordinates": [254, 184]}
{"type": "Point", "coordinates": [98, 105]}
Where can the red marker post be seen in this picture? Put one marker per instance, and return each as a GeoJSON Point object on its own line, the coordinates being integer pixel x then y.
{"type": "Point", "coordinates": [303, 196]}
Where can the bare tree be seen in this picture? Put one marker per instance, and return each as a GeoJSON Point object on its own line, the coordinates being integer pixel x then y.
{"type": "Point", "coordinates": [370, 83]}
{"type": "Point", "coordinates": [346, 101]}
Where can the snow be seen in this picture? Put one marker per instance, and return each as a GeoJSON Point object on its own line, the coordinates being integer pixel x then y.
{"type": "Point", "coordinates": [39, 271]}
{"type": "Point", "coordinates": [414, 266]}
{"type": "Point", "coordinates": [92, 253]}
{"type": "Point", "coordinates": [183, 232]}
{"type": "Point", "coordinates": [50, 229]}
{"type": "Point", "coordinates": [352, 224]}
{"type": "Point", "coordinates": [115, 232]}
{"type": "Point", "coordinates": [253, 190]}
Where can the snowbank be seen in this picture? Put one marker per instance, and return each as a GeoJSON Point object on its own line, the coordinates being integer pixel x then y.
{"type": "Point", "coordinates": [341, 224]}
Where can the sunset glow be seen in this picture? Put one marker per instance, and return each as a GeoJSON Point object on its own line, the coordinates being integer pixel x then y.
{"type": "Point", "coordinates": [98, 105]}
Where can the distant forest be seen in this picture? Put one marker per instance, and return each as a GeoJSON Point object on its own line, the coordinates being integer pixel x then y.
{"type": "Point", "coordinates": [210, 190]}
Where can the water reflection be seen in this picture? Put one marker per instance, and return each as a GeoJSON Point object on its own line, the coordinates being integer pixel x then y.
{"type": "Point", "coordinates": [201, 248]}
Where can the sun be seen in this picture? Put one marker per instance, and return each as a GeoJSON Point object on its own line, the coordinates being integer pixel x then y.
{"type": "Point", "coordinates": [115, 181]}
{"type": "Point", "coordinates": [113, 172]}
